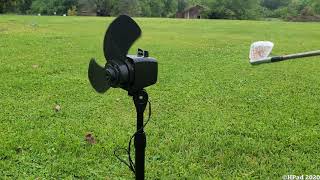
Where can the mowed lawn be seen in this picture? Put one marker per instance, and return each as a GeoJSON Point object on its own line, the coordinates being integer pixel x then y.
{"type": "Point", "coordinates": [214, 116]}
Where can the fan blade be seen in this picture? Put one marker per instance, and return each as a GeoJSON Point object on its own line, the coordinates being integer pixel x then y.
{"type": "Point", "coordinates": [98, 77]}
{"type": "Point", "coordinates": [120, 36]}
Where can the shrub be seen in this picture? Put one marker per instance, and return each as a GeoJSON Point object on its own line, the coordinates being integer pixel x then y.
{"type": "Point", "coordinates": [72, 11]}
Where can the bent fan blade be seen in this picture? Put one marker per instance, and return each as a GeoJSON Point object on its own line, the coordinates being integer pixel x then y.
{"type": "Point", "coordinates": [120, 36]}
{"type": "Point", "coordinates": [98, 77]}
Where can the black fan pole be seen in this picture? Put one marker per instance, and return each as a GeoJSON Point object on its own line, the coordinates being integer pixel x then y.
{"type": "Point", "coordinates": [140, 99]}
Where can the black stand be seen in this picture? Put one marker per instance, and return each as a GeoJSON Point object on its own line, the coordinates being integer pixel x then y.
{"type": "Point", "coordinates": [140, 99]}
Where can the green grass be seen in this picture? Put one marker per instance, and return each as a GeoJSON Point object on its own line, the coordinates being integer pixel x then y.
{"type": "Point", "coordinates": [214, 115]}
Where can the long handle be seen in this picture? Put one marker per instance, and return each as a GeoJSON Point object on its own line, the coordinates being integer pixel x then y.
{"type": "Point", "coordinates": [295, 56]}
{"type": "Point", "coordinates": [286, 57]}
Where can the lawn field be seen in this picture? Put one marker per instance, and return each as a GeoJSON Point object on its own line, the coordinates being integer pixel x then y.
{"type": "Point", "coordinates": [214, 116]}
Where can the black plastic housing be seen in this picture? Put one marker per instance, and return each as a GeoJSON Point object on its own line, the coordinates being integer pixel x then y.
{"type": "Point", "coordinates": [145, 72]}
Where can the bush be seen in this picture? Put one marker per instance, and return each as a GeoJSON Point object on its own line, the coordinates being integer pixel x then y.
{"type": "Point", "coordinates": [316, 7]}
{"type": "Point", "coordinates": [281, 12]}
{"type": "Point", "coordinates": [307, 11]}
{"type": "Point", "coordinates": [72, 11]}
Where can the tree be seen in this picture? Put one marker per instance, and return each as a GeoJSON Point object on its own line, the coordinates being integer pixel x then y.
{"type": "Point", "coordinates": [50, 7]}
{"type": "Point", "coordinates": [156, 7]}
{"type": "Point", "coordinates": [89, 6]}
{"type": "Point", "coordinates": [170, 8]}
{"type": "Point", "coordinates": [145, 8]}
{"type": "Point", "coordinates": [182, 5]}
{"type": "Point", "coordinates": [234, 9]}
{"type": "Point", "coordinates": [315, 4]}
{"type": "Point", "coordinates": [230, 9]}
{"type": "Point", "coordinates": [104, 7]}
{"type": "Point", "coordinates": [72, 11]}
{"type": "Point", "coordinates": [38, 6]}
{"type": "Point", "coordinates": [274, 4]}
{"type": "Point", "coordinates": [129, 7]}
{"type": "Point", "coordinates": [2, 7]}
{"type": "Point", "coordinates": [24, 6]}
{"type": "Point", "coordinates": [8, 6]}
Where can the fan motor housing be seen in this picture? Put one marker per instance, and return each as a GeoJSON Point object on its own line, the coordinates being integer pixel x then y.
{"type": "Point", "coordinates": [130, 72]}
{"type": "Point", "coordinates": [145, 72]}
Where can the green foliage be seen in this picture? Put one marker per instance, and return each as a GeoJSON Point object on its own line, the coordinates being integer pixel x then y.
{"type": "Point", "coordinates": [72, 11]}
{"type": "Point", "coordinates": [87, 5]}
{"type": "Point", "coordinates": [156, 7]}
{"type": "Point", "coordinates": [316, 6]}
{"type": "Point", "coordinates": [182, 5]}
{"type": "Point", "coordinates": [234, 9]}
{"type": "Point", "coordinates": [282, 12]}
{"type": "Point", "coordinates": [274, 4]}
{"type": "Point", "coordinates": [307, 11]}
{"type": "Point", "coordinates": [287, 9]}
{"type": "Point", "coordinates": [49, 7]}
{"type": "Point", "coordinates": [8, 6]}
{"type": "Point", "coordinates": [145, 8]}
{"type": "Point", "coordinates": [104, 7]}
{"type": "Point", "coordinates": [170, 8]}
{"type": "Point", "coordinates": [38, 7]}
{"type": "Point", "coordinates": [24, 6]}
{"type": "Point", "coordinates": [129, 7]}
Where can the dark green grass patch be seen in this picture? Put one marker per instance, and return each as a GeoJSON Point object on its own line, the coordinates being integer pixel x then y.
{"type": "Point", "coordinates": [214, 115]}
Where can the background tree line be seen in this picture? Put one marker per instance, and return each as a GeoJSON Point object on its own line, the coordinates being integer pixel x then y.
{"type": "Point", "coordinates": [218, 9]}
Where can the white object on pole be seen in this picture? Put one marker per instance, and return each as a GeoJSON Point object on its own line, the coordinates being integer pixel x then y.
{"type": "Point", "coordinates": [260, 50]}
